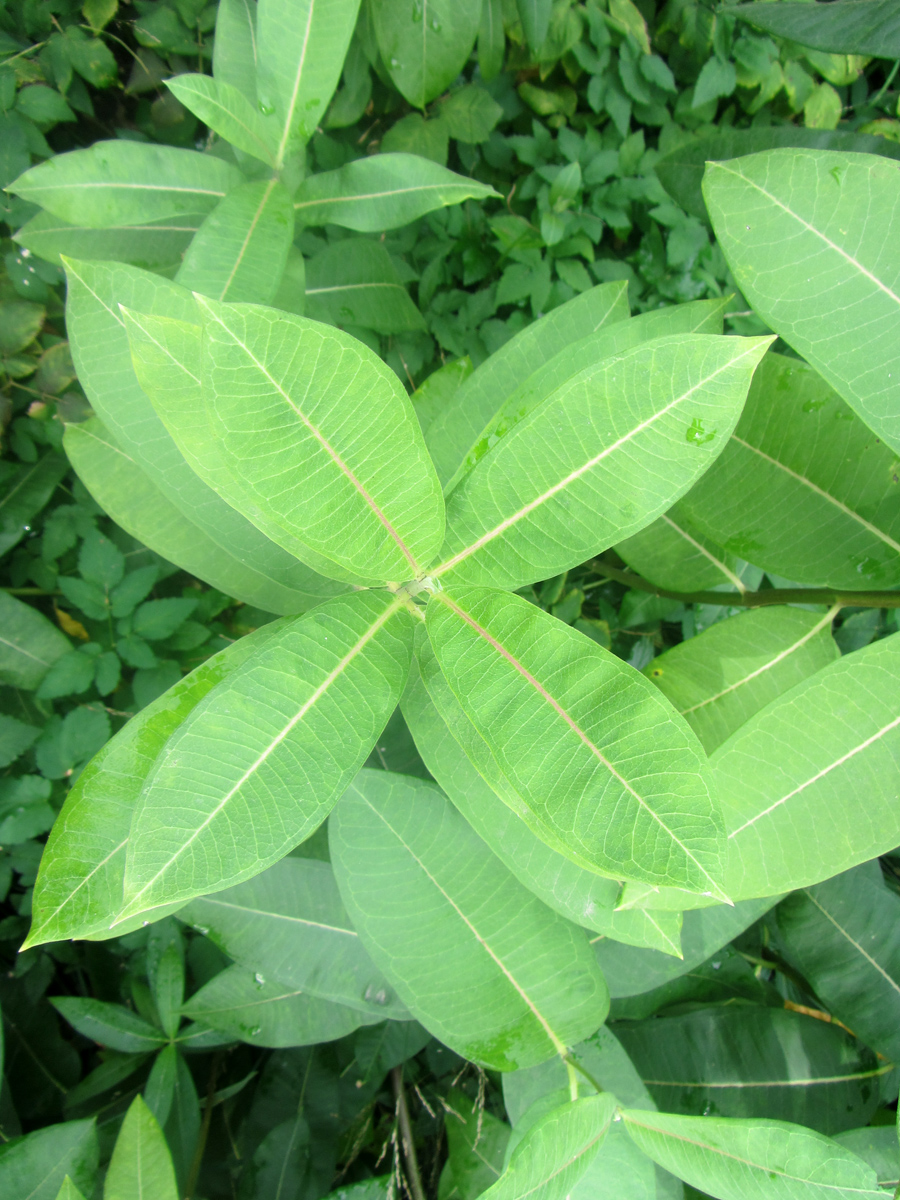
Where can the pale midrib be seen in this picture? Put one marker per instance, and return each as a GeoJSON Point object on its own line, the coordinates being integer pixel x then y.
{"type": "Point", "coordinates": [773, 662]}
{"type": "Point", "coordinates": [746, 1162]}
{"type": "Point", "coordinates": [563, 1166]}
{"type": "Point", "coordinates": [128, 187]}
{"type": "Point", "coordinates": [765, 1083]}
{"type": "Point", "coordinates": [262, 912]}
{"type": "Point", "coordinates": [819, 775]}
{"type": "Point", "coordinates": [322, 440]}
{"type": "Point", "coordinates": [429, 187]}
{"type": "Point", "coordinates": [164, 349]}
{"type": "Point", "coordinates": [37, 1189]}
{"type": "Point", "coordinates": [508, 522]}
{"type": "Point", "coordinates": [122, 229]}
{"type": "Point", "coordinates": [25, 653]}
{"type": "Point", "coordinates": [319, 692]}
{"type": "Point", "coordinates": [260, 208]}
{"type": "Point", "coordinates": [251, 133]}
{"type": "Point", "coordinates": [738, 583]}
{"type": "Point", "coordinates": [576, 728]}
{"type": "Point", "coordinates": [812, 229]}
{"type": "Point", "coordinates": [292, 106]}
{"type": "Point", "coordinates": [75, 890]}
{"type": "Point", "coordinates": [353, 287]}
{"type": "Point", "coordinates": [838, 504]}
{"type": "Point", "coordinates": [853, 942]}
{"type": "Point", "coordinates": [558, 1045]}
{"type": "Point", "coordinates": [201, 1012]}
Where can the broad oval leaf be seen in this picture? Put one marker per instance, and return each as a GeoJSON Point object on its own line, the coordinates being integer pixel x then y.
{"type": "Point", "coordinates": [476, 958]}
{"type": "Point", "coordinates": [383, 191]}
{"type": "Point", "coordinates": [822, 758]}
{"type": "Point", "coordinates": [225, 109]}
{"type": "Point", "coordinates": [122, 182]}
{"type": "Point", "coordinates": [849, 27]}
{"type": "Point", "coordinates": [425, 45]}
{"type": "Point", "coordinates": [572, 477]}
{"type": "Point", "coordinates": [803, 488]}
{"type": "Point", "coordinates": [290, 925]}
{"type": "Point", "coordinates": [752, 1160]}
{"type": "Point", "coordinates": [252, 755]}
{"type": "Point", "coordinates": [36, 1165]}
{"type": "Point", "coordinates": [793, 226]}
{"type": "Point", "coordinates": [627, 796]}
{"type": "Point", "coordinates": [141, 1164]}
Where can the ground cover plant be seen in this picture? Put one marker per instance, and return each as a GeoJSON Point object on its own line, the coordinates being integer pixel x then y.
{"type": "Point", "coordinates": [572, 929]}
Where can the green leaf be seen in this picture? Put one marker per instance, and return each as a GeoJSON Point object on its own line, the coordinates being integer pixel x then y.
{"type": "Point", "coordinates": [302, 45]}
{"type": "Point", "coordinates": [355, 459]}
{"type": "Point", "coordinates": [100, 561]}
{"type": "Point", "coordinates": [69, 1191]}
{"type": "Point", "coordinates": [535, 18]}
{"type": "Point", "coordinates": [476, 1141]}
{"type": "Point", "coordinates": [109, 1024]}
{"type": "Point", "coordinates": [43, 105]}
{"type": "Point", "coordinates": [241, 249]}
{"type": "Point", "coordinates": [570, 479]}
{"type": "Point", "coordinates": [141, 1164]}
{"type": "Point", "coordinates": [105, 370]}
{"type": "Point", "coordinates": [152, 245]}
{"type": "Point", "coordinates": [71, 674]}
{"type": "Point", "coordinates": [844, 936]}
{"type": "Point", "coordinates": [425, 45]}
{"type": "Point", "coordinates": [165, 973]}
{"type": "Point", "coordinates": [290, 925]}
{"type": "Point", "coordinates": [234, 47]}
{"type": "Point", "coordinates": [20, 323]}
{"type": "Point", "coordinates": [491, 39]}
{"type": "Point", "coordinates": [549, 703]}
{"type": "Point", "coordinates": [122, 182]}
{"type": "Point", "coordinates": [748, 1061]}
{"type": "Point", "coordinates": [751, 1160]}
{"type": "Point", "coordinates": [383, 191]}
{"type": "Point", "coordinates": [182, 1127]}
{"type": "Point", "coordinates": [821, 757]}
{"type": "Point", "coordinates": [673, 554]}
{"type": "Point", "coordinates": [470, 114]}
{"type": "Point", "coordinates": [455, 429]}
{"type": "Point", "coordinates": [253, 1009]}
{"type": "Point", "coordinates": [250, 754]}
{"type": "Point", "coordinates": [803, 489]}
{"type": "Point", "coordinates": [25, 494]}
{"type": "Point", "coordinates": [35, 1166]}
{"type": "Point", "coordinates": [474, 956]}
{"type": "Point", "coordinates": [438, 390]}
{"type": "Point", "coordinates": [556, 1151]}
{"type": "Point", "coordinates": [716, 79]}
{"type": "Point", "coordinates": [157, 619]}
{"type": "Point", "coordinates": [718, 680]}
{"type": "Point", "coordinates": [354, 282]}
{"type": "Point", "coordinates": [15, 738]}
{"type": "Point", "coordinates": [878, 1147]}
{"type": "Point", "coordinates": [79, 886]}
{"type": "Point", "coordinates": [812, 205]}
{"type": "Point", "coordinates": [849, 27]}
{"type": "Point", "coordinates": [29, 644]}
{"type": "Point", "coordinates": [228, 112]}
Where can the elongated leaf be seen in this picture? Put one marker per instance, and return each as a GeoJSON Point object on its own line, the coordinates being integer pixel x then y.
{"type": "Point", "coordinates": [124, 183]}
{"type": "Point", "coordinates": [535, 18]}
{"type": "Point", "coordinates": [302, 45]}
{"type": "Point", "coordinates": [69, 1191]}
{"type": "Point", "coordinates": [383, 191]}
{"type": "Point", "coordinates": [35, 1166]}
{"type": "Point", "coordinates": [585, 898]}
{"type": "Point", "coordinates": [141, 1164]}
{"type": "Point", "coordinates": [550, 704]}
{"type": "Point", "coordinates": [78, 892]}
{"type": "Point", "coordinates": [234, 47]}
{"type": "Point", "coordinates": [110, 1024]}
{"type": "Point", "coordinates": [102, 357]}
{"type": "Point", "coordinates": [878, 1147]}
{"type": "Point", "coordinates": [152, 245]}
{"type": "Point", "coordinates": [425, 45]}
{"type": "Point", "coordinates": [556, 1151]}
{"type": "Point", "coordinates": [29, 643]}
{"type": "Point", "coordinates": [226, 110]}
{"type": "Point", "coordinates": [823, 758]}
{"type": "Point", "coordinates": [792, 224]}
{"type": "Point", "coordinates": [571, 478]}
{"type": "Point", "coordinates": [438, 390]}
{"type": "Point", "coordinates": [251, 758]}
{"type": "Point", "coordinates": [475, 957]}
{"type": "Point", "coordinates": [803, 489]}
{"type": "Point", "coordinates": [718, 680]}
{"type": "Point", "coordinates": [354, 282]}
{"type": "Point", "coordinates": [290, 925]}
{"type": "Point", "coordinates": [253, 1009]}
{"type": "Point", "coordinates": [455, 429]}
{"type": "Point", "coordinates": [673, 554]}
{"type": "Point", "coordinates": [849, 27]}
{"type": "Point", "coordinates": [844, 936]}
{"type": "Point", "coordinates": [241, 249]}
{"type": "Point", "coordinates": [751, 1160]}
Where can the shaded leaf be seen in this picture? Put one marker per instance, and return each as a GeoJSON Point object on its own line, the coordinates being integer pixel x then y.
{"type": "Point", "coordinates": [141, 1163]}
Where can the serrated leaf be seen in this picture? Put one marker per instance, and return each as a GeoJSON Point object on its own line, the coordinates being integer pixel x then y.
{"type": "Point", "coordinates": [227, 111]}
{"type": "Point", "coordinates": [474, 956]}
{"type": "Point", "coordinates": [140, 1164]}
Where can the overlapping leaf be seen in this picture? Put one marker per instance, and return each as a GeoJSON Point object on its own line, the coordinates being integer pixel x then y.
{"type": "Point", "coordinates": [141, 1164]}
{"type": "Point", "coordinates": [675, 555]}
{"type": "Point", "coordinates": [225, 109]}
{"type": "Point", "coordinates": [850, 27]}
{"type": "Point", "coordinates": [425, 45]}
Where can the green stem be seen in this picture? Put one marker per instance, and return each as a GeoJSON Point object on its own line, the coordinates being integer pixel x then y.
{"type": "Point", "coordinates": [887, 83]}
{"type": "Point", "coordinates": [28, 592]}
{"type": "Point", "coordinates": [196, 1162]}
{"type": "Point", "coordinates": [406, 1135]}
{"type": "Point", "coordinates": [829, 596]}
{"type": "Point", "coordinates": [572, 1062]}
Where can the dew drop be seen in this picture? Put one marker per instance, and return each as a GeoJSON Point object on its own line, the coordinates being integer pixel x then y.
{"type": "Point", "coordinates": [260, 979]}
{"type": "Point", "coordinates": [395, 62]}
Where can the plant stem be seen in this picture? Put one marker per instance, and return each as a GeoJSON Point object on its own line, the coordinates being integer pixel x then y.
{"type": "Point", "coordinates": [406, 1135]}
{"type": "Point", "coordinates": [755, 599]}
{"type": "Point", "coordinates": [197, 1160]}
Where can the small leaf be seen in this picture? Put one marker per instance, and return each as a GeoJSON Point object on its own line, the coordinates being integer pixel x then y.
{"type": "Point", "coordinates": [30, 643]}
{"type": "Point", "coordinates": [158, 619]}
{"type": "Point", "coordinates": [425, 46]}
{"type": "Point", "coordinates": [471, 113]}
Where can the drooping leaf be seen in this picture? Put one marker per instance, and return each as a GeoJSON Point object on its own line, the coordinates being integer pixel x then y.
{"type": "Point", "coordinates": [792, 225]}
{"type": "Point", "coordinates": [234, 47]}
{"type": "Point", "coordinates": [849, 27]}
{"type": "Point", "coordinates": [29, 643]}
{"type": "Point", "coordinates": [122, 182]}
{"type": "Point", "coordinates": [571, 479]}
{"type": "Point", "coordinates": [821, 758]}
{"type": "Point", "coordinates": [354, 282]}
{"type": "Point", "coordinates": [36, 1165]}
{"type": "Point", "coordinates": [550, 704]}
{"type": "Point", "coordinates": [383, 191]}
{"type": "Point", "coordinates": [250, 755]}
{"type": "Point", "coordinates": [673, 554]}
{"type": "Point", "coordinates": [290, 925]}
{"type": "Point", "coordinates": [141, 1164]}
{"type": "Point", "coordinates": [803, 488]}
{"type": "Point", "coordinates": [151, 245]}
{"type": "Point", "coordinates": [425, 45]}
{"type": "Point", "coordinates": [718, 680]}
{"type": "Point", "coordinates": [227, 111]}
{"type": "Point", "coordinates": [475, 957]}
{"type": "Point", "coordinates": [78, 892]}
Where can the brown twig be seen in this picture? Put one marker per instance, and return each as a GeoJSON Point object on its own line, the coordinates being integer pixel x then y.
{"type": "Point", "coordinates": [406, 1135]}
